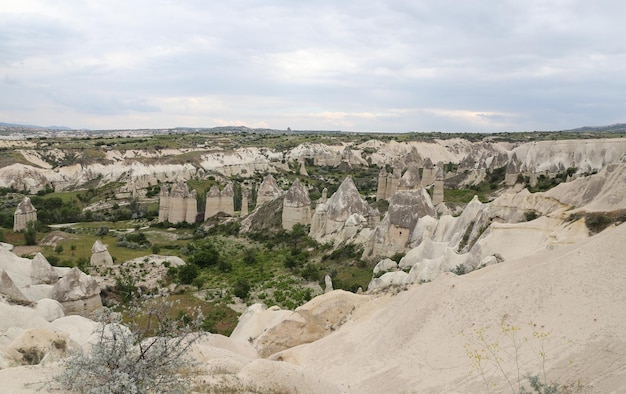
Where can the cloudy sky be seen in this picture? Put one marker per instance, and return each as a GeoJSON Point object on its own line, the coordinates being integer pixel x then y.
{"type": "Point", "coordinates": [395, 66]}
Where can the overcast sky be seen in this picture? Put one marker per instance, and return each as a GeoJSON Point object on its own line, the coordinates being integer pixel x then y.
{"type": "Point", "coordinates": [394, 66]}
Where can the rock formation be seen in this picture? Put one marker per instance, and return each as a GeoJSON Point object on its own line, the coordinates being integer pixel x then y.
{"type": "Point", "coordinates": [343, 215]}
{"type": "Point", "coordinates": [268, 190]}
{"type": "Point", "coordinates": [410, 180]}
{"type": "Point", "coordinates": [213, 202]}
{"type": "Point", "coordinates": [78, 293]}
{"type": "Point", "coordinates": [296, 206]}
{"type": "Point", "coordinates": [220, 201]}
{"type": "Point", "coordinates": [245, 193]}
{"type": "Point", "coordinates": [429, 173]}
{"type": "Point", "coordinates": [381, 190]}
{"type": "Point", "coordinates": [41, 271]}
{"type": "Point", "coordinates": [395, 230]}
{"type": "Point", "coordinates": [24, 213]}
{"type": "Point", "coordinates": [100, 256]}
{"type": "Point", "coordinates": [512, 171]}
{"type": "Point", "coordinates": [178, 205]}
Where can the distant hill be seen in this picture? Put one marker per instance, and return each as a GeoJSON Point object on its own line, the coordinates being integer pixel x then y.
{"type": "Point", "coordinates": [30, 126]}
{"type": "Point", "coordinates": [617, 127]}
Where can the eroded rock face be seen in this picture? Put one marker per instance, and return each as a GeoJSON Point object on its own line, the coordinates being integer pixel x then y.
{"type": "Point", "coordinates": [178, 205]}
{"type": "Point", "coordinates": [78, 293]}
{"type": "Point", "coordinates": [395, 230]}
{"type": "Point", "coordinates": [296, 206]}
{"type": "Point", "coordinates": [308, 323]}
{"type": "Point", "coordinates": [9, 289]}
{"type": "Point", "coordinates": [343, 215]}
{"type": "Point", "coordinates": [100, 255]}
{"type": "Point", "coordinates": [24, 213]}
{"type": "Point", "coordinates": [42, 271]}
{"type": "Point", "coordinates": [268, 190]}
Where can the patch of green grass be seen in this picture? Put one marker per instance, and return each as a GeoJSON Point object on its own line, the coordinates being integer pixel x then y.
{"type": "Point", "coordinates": [463, 196]}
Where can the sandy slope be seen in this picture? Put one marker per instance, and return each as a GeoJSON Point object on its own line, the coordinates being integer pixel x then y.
{"type": "Point", "coordinates": [417, 342]}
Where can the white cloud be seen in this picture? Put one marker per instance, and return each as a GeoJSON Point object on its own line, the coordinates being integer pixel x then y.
{"type": "Point", "coordinates": [378, 65]}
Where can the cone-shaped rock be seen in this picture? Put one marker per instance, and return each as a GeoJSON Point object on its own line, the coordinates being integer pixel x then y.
{"type": "Point", "coordinates": [296, 206]}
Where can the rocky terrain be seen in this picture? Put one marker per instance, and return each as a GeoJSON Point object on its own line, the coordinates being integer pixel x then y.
{"type": "Point", "coordinates": [464, 297]}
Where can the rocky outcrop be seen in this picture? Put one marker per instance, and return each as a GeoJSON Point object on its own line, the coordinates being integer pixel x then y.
{"type": "Point", "coordinates": [178, 205]}
{"type": "Point", "coordinates": [603, 191]}
{"type": "Point", "coordinates": [24, 213]}
{"type": "Point", "coordinates": [395, 230]}
{"type": "Point", "coordinates": [78, 293]}
{"type": "Point", "coordinates": [268, 190]}
{"type": "Point", "coordinates": [10, 290]}
{"type": "Point", "coordinates": [310, 322]}
{"type": "Point", "coordinates": [100, 256]}
{"type": "Point", "coordinates": [296, 206]}
{"type": "Point", "coordinates": [410, 180]}
{"type": "Point", "coordinates": [344, 215]}
{"type": "Point", "coordinates": [41, 271]}
{"type": "Point", "coordinates": [220, 201]}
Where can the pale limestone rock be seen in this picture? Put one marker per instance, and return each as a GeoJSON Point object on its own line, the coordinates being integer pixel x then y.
{"type": "Point", "coordinates": [410, 180]}
{"type": "Point", "coordinates": [244, 202]}
{"type": "Point", "coordinates": [227, 203]}
{"type": "Point", "coordinates": [42, 271]}
{"type": "Point", "coordinates": [385, 265]}
{"type": "Point", "coordinates": [265, 376]}
{"type": "Point", "coordinates": [428, 173]}
{"type": "Point", "coordinates": [268, 190]}
{"type": "Point", "coordinates": [24, 213]}
{"type": "Point", "coordinates": [49, 309]}
{"type": "Point", "coordinates": [438, 192]}
{"type": "Point", "coordinates": [603, 191]}
{"type": "Point", "coordinates": [77, 292]}
{"type": "Point", "coordinates": [100, 256]}
{"type": "Point", "coordinates": [255, 320]}
{"type": "Point", "coordinates": [9, 289]}
{"type": "Point", "coordinates": [178, 205]}
{"type": "Point", "coordinates": [343, 215]}
{"type": "Point", "coordinates": [213, 202]}
{"type": "Point", "coordinates": [512, 171]}
{"type": "Point", "coordinates": [381, 190]}
{"type": "Point", "coordinates": [303, 171]}
{"type": "Point", "coordinates": [296, 206]}
{"type": "Point", "coordinates": [310, 322]}
{"type": "Point", "coordinates": [395, 278]}
{"type": "Point", "coordinates": [50, 344]}
{"type": "Point", "coordinates": [328, 282]}
{"type": "Point", "coordinates": [395, 230]}
{"type": "Point", "coordinates": [164, 204]}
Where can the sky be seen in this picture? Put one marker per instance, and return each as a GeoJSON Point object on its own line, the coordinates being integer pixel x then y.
{"type": "Point", "coordinates": [364, 66]}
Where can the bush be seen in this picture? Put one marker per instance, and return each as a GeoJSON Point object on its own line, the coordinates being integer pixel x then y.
{"type": "Point", "coordinates": [242, 288]}
{"type": "Point", "coordinates": [187, 273]}
{"type": "Point", "coordinates": [597, 222]}
{"type": "Point", "coordinates": [122, 361]}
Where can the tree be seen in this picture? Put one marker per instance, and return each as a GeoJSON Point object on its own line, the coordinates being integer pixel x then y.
{"type": "Point", "coordinates": [187, 273]}
{"type": "Point", "coordinates": [59, 249]}
{"type": "Point", "coordinates": [242, 288]}
{"type": "Point", "coordinates": [30, 235]}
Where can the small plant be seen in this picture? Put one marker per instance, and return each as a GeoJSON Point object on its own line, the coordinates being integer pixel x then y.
{"type": "Point", "coordinates": [123, 360]}
{"type": "Point", "coordinates": [459, 270]}
{"type": "Point", "coordinates": [489, 355]}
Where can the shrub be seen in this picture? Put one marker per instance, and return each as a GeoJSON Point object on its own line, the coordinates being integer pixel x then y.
{"type": "Point", "coordinates": [597, 222]}
{"type": "Point", "coordinates": [187, 273]}
{"type": "Point", "coordinates": [530, 215]}
{"type": "Point", "coordinates": [122, 361]}
{"type": "Point", "coordinates": [242, 288]}
{"type": "Point", "coordinates": [459, 270]}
